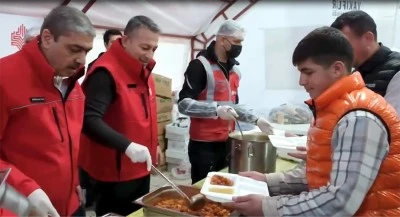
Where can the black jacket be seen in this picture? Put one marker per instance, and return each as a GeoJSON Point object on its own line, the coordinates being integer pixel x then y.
{"type": "Point", "coordinates": [91, 63]}
{"type": "Point", "coordinates": [378, 70]}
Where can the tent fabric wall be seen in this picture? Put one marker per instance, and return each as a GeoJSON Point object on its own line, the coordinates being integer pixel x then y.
{"type": "Point", "coordinates": [176, 18]}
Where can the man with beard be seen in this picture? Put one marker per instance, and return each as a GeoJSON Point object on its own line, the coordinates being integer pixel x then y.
{"type": "Point", "coordinates": [209, 95]}
{"type": "Point", "coordinates": [378, 65]}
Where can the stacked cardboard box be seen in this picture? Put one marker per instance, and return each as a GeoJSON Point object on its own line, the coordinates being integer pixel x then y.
{"type": "Point", "coordinates": [164, 108]}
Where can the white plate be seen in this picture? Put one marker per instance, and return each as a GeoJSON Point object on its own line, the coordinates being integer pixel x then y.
{"type": "Point", "coordinates": [279, 141]}
{"type": "Point", "coordinates": [292, 128]}
{"type": "Point", "coordinates": [241, 186]}
{"type": "Point", "coordinates": [284, 145]}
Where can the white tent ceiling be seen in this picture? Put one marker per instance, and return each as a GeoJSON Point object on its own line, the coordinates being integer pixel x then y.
{"type": "Point", "coordinates": [177, 18]}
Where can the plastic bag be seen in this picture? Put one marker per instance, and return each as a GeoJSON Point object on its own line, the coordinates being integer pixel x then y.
{"type": "Point", "coordinates": [183, 170]}
{"type": "Point", "coordinates": [290, 114]}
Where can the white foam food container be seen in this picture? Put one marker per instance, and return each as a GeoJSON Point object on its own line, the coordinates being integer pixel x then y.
{"type": "Point", "coordinates": [285, 145]}
{"type": "Point", "coordinates": [241, 186]}
{"type": "Point", "coordinates": [280, 141]}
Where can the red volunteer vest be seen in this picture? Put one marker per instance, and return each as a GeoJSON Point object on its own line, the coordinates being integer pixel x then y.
{"type": "Point", "coordinates": [133, 114]}
{"type": "Point", "coordinates": [220, 90]}
{"type": "Point", "coordinates": [350, 93]}
{"type": "Point", "coordinates": [234, 80]}
{"type": "Point", "coordinates": [39, 131]}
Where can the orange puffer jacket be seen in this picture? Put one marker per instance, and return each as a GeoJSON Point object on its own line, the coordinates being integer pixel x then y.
{"type": "Point", "coordinates": [348, 94]}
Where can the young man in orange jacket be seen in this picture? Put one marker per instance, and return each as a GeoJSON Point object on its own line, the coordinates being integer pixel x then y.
{"type": "Point", "coordinates": [41, 113]}
{"type": "Point", "coordinates": [353, 143]}
{"type": "Point", "coordinates": [379, 66]}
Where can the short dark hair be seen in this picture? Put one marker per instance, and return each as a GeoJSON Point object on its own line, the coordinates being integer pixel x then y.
{"type": "Point", "coordinates": [141, 21]}
{"type": "Point", "coordinates": [64, 19]}
{"type": "Point", "coordinates": [324, 46]}
{"type": "Point", "coordinates": [358, 21]}
{"type": "Point", "coordinates": [110, 32]}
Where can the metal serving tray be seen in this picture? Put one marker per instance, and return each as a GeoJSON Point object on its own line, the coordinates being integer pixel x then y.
{"type": "Point", "coordinates": [111, 215]}
{"type": "Point", "coordinates": [149, 200]}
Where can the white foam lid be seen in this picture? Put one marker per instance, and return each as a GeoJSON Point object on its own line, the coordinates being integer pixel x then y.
{"type": "Point", "coordinates": [242, 186]}
{"type": "Point", "coordinates": [279, 141]}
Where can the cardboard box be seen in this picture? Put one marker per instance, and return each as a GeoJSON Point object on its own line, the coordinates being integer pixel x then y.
{"type": "Point", "coordinates": [163, 85]}
{"type": "Point", "coordinates": [164, 105]}
{"type": "Point", "coordinates": [163, 117]}
{"type": "Point", "coordinates": [162, 143]}
{"type": "Point", "coordinates": [161, 127]}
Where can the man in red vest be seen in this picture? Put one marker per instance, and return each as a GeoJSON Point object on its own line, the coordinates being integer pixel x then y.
{"type": "Point", "coordinates": [41, 113]}
{"type": "Point", "coordinates": [87, 183]}
{"type": "Point", "coordinates": [119, 142]}
{"type": "Point", "coordinates": [209, 95]}
{"type": "Point", "coordinates": [352, 166]}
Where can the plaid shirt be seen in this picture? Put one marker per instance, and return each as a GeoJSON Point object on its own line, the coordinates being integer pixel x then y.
{"type": "Point", "coordinates": [359, 145]}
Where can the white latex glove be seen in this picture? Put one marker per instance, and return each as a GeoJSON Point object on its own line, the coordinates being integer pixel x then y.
{"type": "Point", "coordinates": [41, 204]}
{"type": "Point", "coordinates": [265, 126]}
{"type": "Point", "coordinates": [139, 154]}
{"type": "Point", "coordinates": [226, 112]}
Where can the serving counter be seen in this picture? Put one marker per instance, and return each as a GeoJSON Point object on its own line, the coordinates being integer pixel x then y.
{"type": "Point", "coordinates": [281, 165]}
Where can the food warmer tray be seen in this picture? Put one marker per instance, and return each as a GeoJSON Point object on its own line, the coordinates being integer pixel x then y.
{"type": "Point", "coordinates": [149, 200]}
{"type": "Point", "coordinates": [111, 215]}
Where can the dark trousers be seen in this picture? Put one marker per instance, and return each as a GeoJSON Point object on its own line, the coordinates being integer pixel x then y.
{"type": "Point", "coordinates": [79, 212]}
{"type": "Point", "coordinates": [87, 184]}
{"type": "Point", "coordinates": [206, 157]}
{"type": "Point", "coordinates": [118, 197]}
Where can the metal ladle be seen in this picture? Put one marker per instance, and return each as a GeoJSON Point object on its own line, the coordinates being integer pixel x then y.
{"type": "Point", "coordinates": [196, 202]}
{"type": "Point", "coordinates": [237, 123]}
{"type": "Point", "coordinates": [240, 129]}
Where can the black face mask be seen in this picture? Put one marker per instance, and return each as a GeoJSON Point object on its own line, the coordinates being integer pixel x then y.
{"type": "Point", "coordinates": [234, 51]}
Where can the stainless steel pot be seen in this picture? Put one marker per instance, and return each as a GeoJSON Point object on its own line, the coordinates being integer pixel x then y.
{"type": "Point", "coordinates": [253, 152]}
